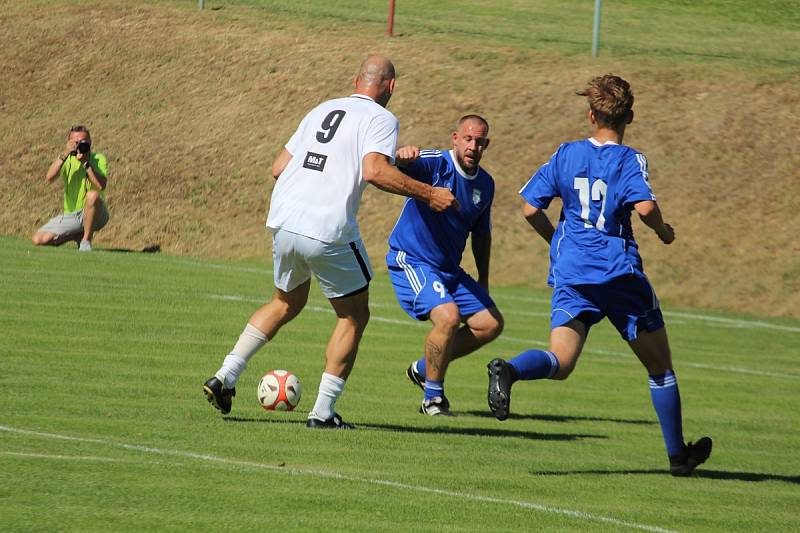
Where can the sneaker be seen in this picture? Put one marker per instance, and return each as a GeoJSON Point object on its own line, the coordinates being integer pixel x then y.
{"type": "Point", "coordinates": [416, 378]}
{"type": "Point", "coordinates": [334, 422]}
{"type": "Point", "coordinates": [85, 246]}
{"type": "Point", "coordinates": [218, 396]}
{"type": "Point", "coordinates": [438, 406]}
{"type": "Point", "coordinates": [692, 455]}
{"type": "Point", "coordinates": [499, 394]}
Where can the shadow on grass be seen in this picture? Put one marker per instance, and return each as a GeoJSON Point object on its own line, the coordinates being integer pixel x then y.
{"type": "Point", "coordinates": [484, 432]}
{"type": "Point", "coordinates": [152, 249]}
{"type": "Point", "coordinates": [563, 418]}
{"type": "Point", "coordinates": [706, 474]}
{"type": "Point", "coordinates": [472, 432]}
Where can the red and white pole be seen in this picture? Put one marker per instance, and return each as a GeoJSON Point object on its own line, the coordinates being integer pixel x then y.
{"type": "Point", "coordinates": [390, 21]}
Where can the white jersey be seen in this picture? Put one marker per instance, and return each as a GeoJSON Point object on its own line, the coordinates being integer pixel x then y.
{"type": "Point", "coordinates": [319, 192]}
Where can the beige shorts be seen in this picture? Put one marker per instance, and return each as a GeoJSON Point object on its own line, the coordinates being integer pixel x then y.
{"type": "Point", "coordinates": [67, 224]}
{"type": "Point", "coordinates": [340, 268]}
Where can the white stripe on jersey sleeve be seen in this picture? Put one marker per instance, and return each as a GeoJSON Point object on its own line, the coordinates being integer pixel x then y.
{"type": "Point", "coordinates": [430, 153]}
{"type": "Point", "coordinates": [642, 160]}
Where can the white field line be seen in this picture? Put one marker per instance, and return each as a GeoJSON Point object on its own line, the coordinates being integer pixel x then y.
{"type": "Point", "coordinates": [342, 477]}
{"type": "Point", "coordinates": [733, 322]}
{"type": "Point", "coordinates": [65, 457]}
{"type": "Point", "coordinates": [528, 342]}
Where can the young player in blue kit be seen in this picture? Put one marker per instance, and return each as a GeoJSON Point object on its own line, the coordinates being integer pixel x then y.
{"type": "Point", "coordinates": [424, 258]}
{"type": "Point", "coordinates": [595, 267]}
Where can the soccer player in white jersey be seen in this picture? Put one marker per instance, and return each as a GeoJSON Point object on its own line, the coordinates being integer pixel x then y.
{"type": "Point", "coordinates": [339, 147]}
{"type": "Point", "coordinates": [424, 258]}
{"type": "Point", "coordinates": [595, 267]}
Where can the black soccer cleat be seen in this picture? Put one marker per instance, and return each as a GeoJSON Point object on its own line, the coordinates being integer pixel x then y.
{"type": "Point", "coordinates": [684, 463]}
{"type": "Point", "coordinates": [413, 374]}
{"type": "Point", "coordinates": [218, 396]}
{"type": "Point", "coordinates": [334, 422]}
{"type": "Point", "coordinates": [438, 406]}
{"type": "Point", "coordinates": [499, 394]}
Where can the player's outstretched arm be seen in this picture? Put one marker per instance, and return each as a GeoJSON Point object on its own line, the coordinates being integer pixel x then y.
{"type": "Point", "coordinates": [539, 221]}
{"type": "Point", "coordinates": [280, 163]}
{"type": "Point", "coordinates": [377, 170]}
{"type": "Point", "coordinates": [650, 214]}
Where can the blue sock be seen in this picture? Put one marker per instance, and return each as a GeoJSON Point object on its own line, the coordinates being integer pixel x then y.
{"type": "Point", "coordinates": [433, 389]}
{"type": "Point", "coordinates": [421, 366]}
{"type": "Point", "coordinates": [667, 401]}
{"type": "Point", "coordinates": [534, 364]}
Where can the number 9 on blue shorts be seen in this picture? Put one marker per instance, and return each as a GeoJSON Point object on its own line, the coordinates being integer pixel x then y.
{"type": "Point", "coordinates": [419, 287]}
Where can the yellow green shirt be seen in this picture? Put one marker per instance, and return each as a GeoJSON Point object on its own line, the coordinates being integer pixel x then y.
{"type": "Point", "coordinates": [76, 182]}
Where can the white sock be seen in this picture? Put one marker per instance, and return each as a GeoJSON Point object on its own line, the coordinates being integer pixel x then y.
{"type": "Point", "coordinates": [245, 348]}
{"type": "Point", "coordinates": [330, 388]}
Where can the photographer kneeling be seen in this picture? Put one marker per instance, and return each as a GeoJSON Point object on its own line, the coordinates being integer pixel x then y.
{"type": "Point", "coordinates": [85, 176]}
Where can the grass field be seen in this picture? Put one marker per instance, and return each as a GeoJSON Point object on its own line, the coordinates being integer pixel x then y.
{"type": "Point", "coordinates": [105, 427]}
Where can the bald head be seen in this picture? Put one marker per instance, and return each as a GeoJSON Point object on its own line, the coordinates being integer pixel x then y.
{"type": "Point", "coordinates": [375, 79]}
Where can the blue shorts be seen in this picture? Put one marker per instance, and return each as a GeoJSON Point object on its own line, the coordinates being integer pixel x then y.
{"type": "Point", "coordinates": [629, 302]}
{"type": "Point", "coordinates": [419, 287]}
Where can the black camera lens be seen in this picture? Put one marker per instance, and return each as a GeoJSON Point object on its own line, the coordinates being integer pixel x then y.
{"type": "Point", "coordinates": [83, 146]}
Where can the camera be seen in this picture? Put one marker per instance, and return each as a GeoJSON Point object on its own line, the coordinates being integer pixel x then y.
{"type": "Point", "coordinates": [84, 146]}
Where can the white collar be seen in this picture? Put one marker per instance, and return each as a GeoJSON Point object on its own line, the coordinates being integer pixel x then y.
{"type": "Point", "coordinates": [461, 170]}
{"type": "Point", "coordinates": [597, 143]}
{"type": "Point", "coordinates": [362, 96]}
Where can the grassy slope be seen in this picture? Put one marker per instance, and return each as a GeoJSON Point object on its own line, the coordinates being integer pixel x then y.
{"type": "Point", "coordinates": [121, 361]}
{"type": "Point", "coordinates": [191, 107]}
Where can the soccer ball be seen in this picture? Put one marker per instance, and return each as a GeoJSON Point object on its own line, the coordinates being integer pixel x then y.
{"type": "Point", "coordinates": [279, 390]}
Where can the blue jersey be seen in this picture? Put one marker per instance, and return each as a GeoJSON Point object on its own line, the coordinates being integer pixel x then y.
{"type": "Point", "coordinates": [598, 185]}
{"type": "Point", "coordinates": [438, 239]}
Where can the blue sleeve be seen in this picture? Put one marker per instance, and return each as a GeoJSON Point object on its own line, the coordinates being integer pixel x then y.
{"type": "Point", "coordinates": [542, 187]}
{"type": "Point", "coordinates": [636, 187]}
{"type": "Point", "coordinates": [424, 168]}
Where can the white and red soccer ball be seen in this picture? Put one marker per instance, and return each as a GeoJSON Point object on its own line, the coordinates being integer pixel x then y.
{"type": "Point", "coordinates": [279, 390]}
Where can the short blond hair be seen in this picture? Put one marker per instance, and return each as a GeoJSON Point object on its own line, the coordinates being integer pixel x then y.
{"type": "Point", "coordinates": [610, 99]}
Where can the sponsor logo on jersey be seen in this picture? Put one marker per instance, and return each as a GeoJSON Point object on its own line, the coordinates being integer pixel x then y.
{"type": "Point", "coordinates": [315, 161]}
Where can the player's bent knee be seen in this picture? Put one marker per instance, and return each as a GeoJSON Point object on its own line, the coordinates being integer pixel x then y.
{"type": "Point", "coordinates": [496, 327]}
{"type": "Point", "coordinates": [361, 318]}
{"type": "Point", "coordinates": [287, 309]}
{"type": "Point", "coordinates": [446, 317]}
{"type": "Point", "coordinates": [448, 322]}
{"type": "Point", "coordinates": [357, 316]}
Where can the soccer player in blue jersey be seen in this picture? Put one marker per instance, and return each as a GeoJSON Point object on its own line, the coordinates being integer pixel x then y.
{"type": "Point", "coordinates": [424, 258]}
{"type": "Point", "coordinates": [595, 267]}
